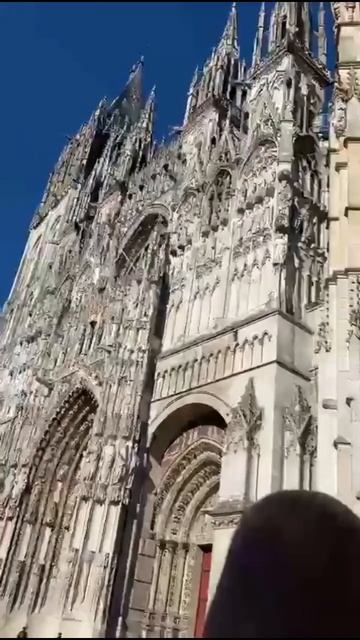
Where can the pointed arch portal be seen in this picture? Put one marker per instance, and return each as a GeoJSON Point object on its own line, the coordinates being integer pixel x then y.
{"type": "Point", "coordinates": [186, 491]}
{"type": "Point", "coordinates": [46, 506]}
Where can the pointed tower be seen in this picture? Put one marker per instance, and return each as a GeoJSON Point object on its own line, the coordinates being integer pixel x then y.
{"type": "Point", "coordinates": [216, 82]}
{"type": "Point", "coordinates": [137, 147]}
{"type": "Point", "coordinates": [80, 156]}
{"type": "Point", "coordinates": [259, 38]}
{"type": "Point", "coordinates": [130, 101]}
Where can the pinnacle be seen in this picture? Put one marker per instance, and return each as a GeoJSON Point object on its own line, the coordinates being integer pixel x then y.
{"type": "Point", "coordinates": [229, 37]}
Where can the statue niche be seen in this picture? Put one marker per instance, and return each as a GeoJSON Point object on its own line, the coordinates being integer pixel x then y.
{"type": "Point", "coordinates": [217, 203]}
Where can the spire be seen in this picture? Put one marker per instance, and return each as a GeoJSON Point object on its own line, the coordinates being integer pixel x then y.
{"type": "Point", "coordinates": [258, 41]}
{"type": "Point", "coordinates": [290, 20]}
{"type": "Point", "coordinates": [191, 97]}
{"type": "Point", "coordinates": [144, 130]}
{"type": "Point", "coordinates": [229, 39]}
{"type": "Point", "coordinates": [100, 114]}
{"type": "Point", "coordinates": [220, 72]}
{"type": "Point", "coordinates": [130, 101]}
{"type": "Point", "coordinates": [147, 117]}
{"type": "Point", "coordinates": [322, 43]}
{"type": "Point", "coordinates": [133, 88]}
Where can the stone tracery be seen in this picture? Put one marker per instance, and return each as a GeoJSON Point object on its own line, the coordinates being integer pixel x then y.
{"type": "Point", "coordinates": [219, 236]}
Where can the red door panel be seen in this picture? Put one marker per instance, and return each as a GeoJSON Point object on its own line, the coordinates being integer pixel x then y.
{"type": "Point", "coordinates": [203, 592]}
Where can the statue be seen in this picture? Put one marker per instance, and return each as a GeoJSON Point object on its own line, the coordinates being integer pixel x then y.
{"type": "Point", "coordinates": [69, 508]}
{"type": "Point", "coordinates": [107, 460]}
{"type": "Point", "coordinates": [133, 463]}
{"type": "Point", "coordinates": [19, 485]}
{"type": "Point", "coordinates": [34, 502]}
{"type": "Point", "coordinates": [51, 513]}
{"type": "Point", "coordinates": [284, 202]}
{"type": "Point", "coordinates": [8, 487]}
{"type": "Point", "coordinates": [122, 457]}
{"type": "Point", "coordinates": [90, 460]}
{"type": "Point", "coordinates": [280, 250]}
{"type": "Point", "coordinates": [64, 466]}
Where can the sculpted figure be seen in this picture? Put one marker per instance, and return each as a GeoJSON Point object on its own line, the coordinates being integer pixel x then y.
{"type": "Point", "coordinates": [122, 457]}
{"type": "Point", "coordinates": [34, 502]}
{"type": "Point", "coordinates": [20, 484]}
{"type": "Point", "coordinates": [280, 250]}
{"type": "Point", "coordinates": [69, 508]}
{"type": "Point", "coordinates": [133, 462]}
{"type": "Point", "coordinates": [283, 208]}
{"type": "Point", "coordinates": [8, 487]}
{"type": "Point", "coordinates": [90, 460]}
{"type": "Point", "coordinates": [107, 460]}
{"type": "Point", "coordinates": [51, 513]}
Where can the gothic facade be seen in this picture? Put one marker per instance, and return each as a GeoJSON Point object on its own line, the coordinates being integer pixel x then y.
{"type": "Point", "coordinates": [180, 338]}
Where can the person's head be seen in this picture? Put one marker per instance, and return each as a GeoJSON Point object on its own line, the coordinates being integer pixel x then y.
{"type": "Point", "coordinates": [293, 569]}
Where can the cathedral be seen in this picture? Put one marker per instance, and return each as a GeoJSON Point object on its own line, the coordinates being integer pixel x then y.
{"type": "Point", "coordinates": [183, 334]}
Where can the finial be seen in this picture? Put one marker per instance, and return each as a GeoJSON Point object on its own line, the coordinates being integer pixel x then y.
{"type": "Point", "coordinates": [258, 41]}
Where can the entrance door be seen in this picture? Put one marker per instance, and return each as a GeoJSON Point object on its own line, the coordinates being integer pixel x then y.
{"type": "Point", "coordinates": [203, 591]}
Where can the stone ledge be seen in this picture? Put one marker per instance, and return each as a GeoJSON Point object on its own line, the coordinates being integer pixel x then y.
{"type": "Point", "coordinates": [227, 513]}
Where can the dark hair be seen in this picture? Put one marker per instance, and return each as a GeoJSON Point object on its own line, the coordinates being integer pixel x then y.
{"type": "Point", "coordinates": [293, 569]}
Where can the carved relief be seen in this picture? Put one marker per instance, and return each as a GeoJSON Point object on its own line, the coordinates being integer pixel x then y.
{"type": "Point", "coordinates": [90, 460]}
{"type": "Point", "coordinates": [284, 202]}
{"type": "Point", "coordinates": [339, 113]}
{"type": "Point", "coordinates": [245, 422]}
{"type": "Point", "coordinates": [107, 460]}
{"type": "Point", "coordinates": [298, 422]}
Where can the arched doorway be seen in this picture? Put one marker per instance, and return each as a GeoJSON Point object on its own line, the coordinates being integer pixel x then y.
{"type": "Point", "coordinates": [186, 475]}
{"type": "Point", "coordinates": [38, 517]}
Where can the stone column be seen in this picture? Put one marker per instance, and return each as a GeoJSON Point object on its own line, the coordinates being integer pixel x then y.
{"type": "Point", "coordinates": [182, 552]}
{"type": "Point", "coordinates": [252, 480]}
{"type": "Point", "coordinates": [171, 546]}
{"type": "Point", "coordinates": [157, 565]}
{"type": "Point", "coordinates": [291, 478]}
{"type": "Point", "coordinates": [344, 469]}
{"type": "Point", "coordinates": [225, 518]}
{"type": "Point", "coordinates": [164, 577]}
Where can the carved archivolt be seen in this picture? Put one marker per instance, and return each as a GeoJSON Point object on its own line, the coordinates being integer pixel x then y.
{"type": "Point", "coordinates": [231, 359]}
{"type": "Point", "coordinates": [43, 495]}
{"type": "Point", "coordinates": [182, 521]}
{"type": "Point", "coordinates": [201, 458]}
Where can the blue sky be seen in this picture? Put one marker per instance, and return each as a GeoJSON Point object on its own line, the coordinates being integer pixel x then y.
{"type": "Point", "coordinates": [59, 59]}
